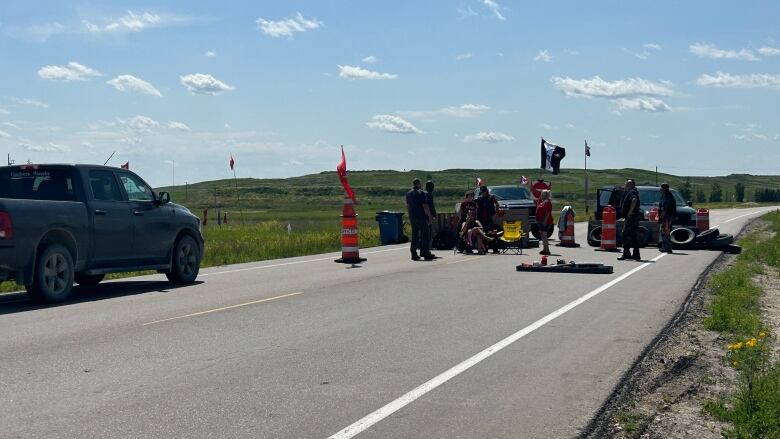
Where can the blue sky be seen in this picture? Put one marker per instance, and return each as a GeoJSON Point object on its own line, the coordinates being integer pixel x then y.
{"type": "Point", "coordinates": [690, 87]}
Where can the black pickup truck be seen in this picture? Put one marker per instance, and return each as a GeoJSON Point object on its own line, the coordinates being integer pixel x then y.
{"type": "Point", "coordinates": [61, 224]}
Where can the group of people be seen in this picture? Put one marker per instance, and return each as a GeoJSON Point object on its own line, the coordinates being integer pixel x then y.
{"type": "Point", "coordinates": [477, 229]}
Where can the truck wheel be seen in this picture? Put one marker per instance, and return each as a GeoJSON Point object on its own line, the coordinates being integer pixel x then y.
{"type": "Point", "coordinates": [594, 237]}
{"type": "Point", "coordinates": [642, 236]}
{"type": "Point", "coordinates": [89, 280]}
{"type": "Point", "coordinates": [53, 277]}
{"type": "Point", "coordinates": [186, 261]}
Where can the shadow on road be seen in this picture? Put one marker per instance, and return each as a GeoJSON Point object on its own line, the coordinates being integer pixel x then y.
{"type": "Point", "coordinates": [19, 302]}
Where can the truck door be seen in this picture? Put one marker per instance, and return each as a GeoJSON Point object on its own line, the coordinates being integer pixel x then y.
{"type": "Point", "coordinates": [112, 242]}
{"type": "Point", "coordinates": [154, 229]}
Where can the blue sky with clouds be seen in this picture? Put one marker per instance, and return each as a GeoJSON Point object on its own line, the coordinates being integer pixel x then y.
{"type": "Point", "coordinates": [691, 87]}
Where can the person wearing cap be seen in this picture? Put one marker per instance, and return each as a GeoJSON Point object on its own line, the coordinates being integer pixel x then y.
{"type": "Point", "coordinates": [420, 217]}
{"type": "Point", "coordinates": [667, 210]}
{"type": "Point", "coordinates": [630, 211]}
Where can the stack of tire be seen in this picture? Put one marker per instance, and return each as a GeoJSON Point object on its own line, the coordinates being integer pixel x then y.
{"type": "Point", "coordinates": [710, 239]}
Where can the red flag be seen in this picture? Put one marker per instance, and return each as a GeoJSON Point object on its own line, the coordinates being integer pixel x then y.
{"type": "Point", "coordinates": [126, 165]}
{"type": "Point", "coordinates": [231, 162]}
{"type": "Point", "coordinates": [341, 169]}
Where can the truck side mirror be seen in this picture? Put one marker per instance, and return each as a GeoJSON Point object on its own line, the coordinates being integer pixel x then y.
{"type": "Point", "coordinates": [164, 198]}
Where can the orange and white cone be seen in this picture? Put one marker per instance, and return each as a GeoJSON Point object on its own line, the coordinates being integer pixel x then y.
{"type": "Point", "coordinates": [608, 230]}
{"type": "Point", "coordinates": [567, 236]}
{"type": "Point", "coordinates": [350, 250]}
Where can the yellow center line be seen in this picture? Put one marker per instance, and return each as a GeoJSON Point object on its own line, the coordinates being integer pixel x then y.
{"type": "Point", "coordinates": [223, 308]}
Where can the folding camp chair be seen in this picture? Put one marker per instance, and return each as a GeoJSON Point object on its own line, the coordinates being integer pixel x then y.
{"type": "Point", "coordinates": [513, 237]}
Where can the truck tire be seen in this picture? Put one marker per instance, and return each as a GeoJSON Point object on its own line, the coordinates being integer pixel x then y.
{"type": "Point", "coordinates": [731, 248]}
{"type": "Point", "coordinates": [185, 262]}
{"type": "Point", "coordinates": [535, 231]}
{"type": "Point", "coordinates": [682, 236]}
{"type": "Point", "coordinates": [594, 237]}
{"type": "Point", "coordinates": [53, 278]}
{"type": "Point", "coordinates": [642, 236]}
{"type": "Point", "coordinates": [89, 280]}
{"type": "Point", "coordinates": [721, 241]}
{"type": "Point", "coordinates": [707, 236]}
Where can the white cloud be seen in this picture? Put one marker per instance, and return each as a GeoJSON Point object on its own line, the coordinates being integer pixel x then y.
{"type": "Point", "coordinates": [647, 104]}
{"type": "Point", "coordinates": [288, 26]}
{"type": "Point", "coordinates": [465, 110]}
{"type": "Point", "coordinates": [462, 56]}
{"type": "Point", "coordinates": [371, 59]}
{"type": "Point", "coordinates": [392, 124]}
{"type": "Point", "coordinates": [703, 50]}
{"type": "Point", "coordinates": [726, 80]}
{"type": "Point", "coordinates": [31, 102]}
{"type": "Point", "coordinates": [640, 55]}
{"type": "Point", "coordinates": [488, 137]}
{"type": "Point", "coordinates": [131, 83]}
{"type": "Point", "coordinates": [73, 72]}
{"type": "Point", "coordinates": [139, 123]}
{"type": "Point", "coordinates": [651, 46]}
{"type": "Point", "coordinates": [777, 137]}
{"type": "Point", "coordinates": [466, 12]}
{"type": "Point", "coordinates": [131, 22]}
{"type": "Point", "coordinates": [495, 7]}
{"type": "Point", "coordinates": [570, 126]}
{"type": "Point", "coordinates": [292, 162]}
{"type": "Point", "coordinates": [202, 84]}
{"type": "Point", "coordinates": [546, 126]}
{"type": "Point", "coordinates": [354, 72]}
{"type": "Point", "coordinates": [769, 51]}
{"type": "Point", "coordinates": [12, 125]}
{"type": "Point", "coordinates": [3, 134]}
{"type": "Point", "coordinates": [599, 88]}
{"type": "Point", "coordinates": [210, 54]}
{"type": "Point", "coordinates": [47, 147]}
{"type": "Point", "coordinates": [543, 56]}
{"type": "Point", "coordinates": [178, 126]}
{"type": "Point", "coordinates": [227, 126]}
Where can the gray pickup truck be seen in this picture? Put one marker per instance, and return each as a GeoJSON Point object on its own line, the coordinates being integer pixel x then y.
{"type": "Point", "coordinates": [61, 224]}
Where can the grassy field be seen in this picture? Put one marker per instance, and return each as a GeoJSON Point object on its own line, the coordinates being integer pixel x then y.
{"type": "Point", "coordinates": [753, 408]}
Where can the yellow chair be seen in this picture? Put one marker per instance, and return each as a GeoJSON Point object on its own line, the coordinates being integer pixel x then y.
{"type": "Point", "coordinates": [513, 237]}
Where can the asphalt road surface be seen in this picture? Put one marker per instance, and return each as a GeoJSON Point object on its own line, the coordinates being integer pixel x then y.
{"type": "Point", "coordinates": [461, 347]}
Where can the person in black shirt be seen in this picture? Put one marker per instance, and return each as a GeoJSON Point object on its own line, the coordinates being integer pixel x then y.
{"type": "Point", "coordinates": [667, 210]}
{"type": "Point", "coordinates": [432, 208]}
{"type": "Point", "coordinates": [630, 211]}
{"type": "Point", "coordinates": [419, 215]}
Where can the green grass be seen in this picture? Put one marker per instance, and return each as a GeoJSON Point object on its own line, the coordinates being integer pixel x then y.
{"type": "Point", "coordinates": [753, 408]}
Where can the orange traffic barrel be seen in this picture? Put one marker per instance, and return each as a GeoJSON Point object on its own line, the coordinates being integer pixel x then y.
{"type": "Point", "coordinates": [350, 250]}
{"type": "Point", "coordinates": [608, 229]}
{"type": "Point", "coordinates": [566, 236]}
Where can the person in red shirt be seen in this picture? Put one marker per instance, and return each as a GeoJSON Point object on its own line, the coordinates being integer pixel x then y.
{"type": "Point", "coordinates": [544, 219]}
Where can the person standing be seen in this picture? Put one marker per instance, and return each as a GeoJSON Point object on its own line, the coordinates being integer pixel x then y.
{"type": "Point", "coordinates": [667, 211]}
{"type": "Point", "coordinates": [419, 215]}
{"type": "Point", "coordinates": [487, 206]}
{"type": "Point", "coordinates": [544, 219]}
{"type": "Point", "coordinates": [630, 210]}
{"type": "Point", "coordinates": [431, 208]}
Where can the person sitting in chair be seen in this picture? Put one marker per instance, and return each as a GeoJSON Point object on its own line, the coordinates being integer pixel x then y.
{"type": "Point", "coordinates": [474, 235]}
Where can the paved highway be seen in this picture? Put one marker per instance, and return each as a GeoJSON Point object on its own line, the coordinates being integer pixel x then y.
{"type": "Point", "coordinates": [461, 347]}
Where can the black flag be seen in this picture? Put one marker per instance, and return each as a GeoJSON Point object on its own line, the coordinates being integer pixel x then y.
{"type": "Point", "coordinates": [552, 156]}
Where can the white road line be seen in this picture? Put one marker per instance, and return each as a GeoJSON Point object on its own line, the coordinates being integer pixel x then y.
{"type": "Point", "coordinates": [283, 264]}
{"type": "Point", "coordinates": [372, 418]}
{"type": "Point", "coordinates": [222, 308]}
{"type": "Point", "coordinates": [748, 214]}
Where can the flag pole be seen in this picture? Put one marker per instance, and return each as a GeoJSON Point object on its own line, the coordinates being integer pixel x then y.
{"type": "Point", "coordinates": [238, 194]}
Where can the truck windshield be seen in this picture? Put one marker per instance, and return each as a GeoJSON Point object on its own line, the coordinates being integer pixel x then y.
{"type": "Point", "coordinates": [37, 184]}
{"type": "Point", "coordinates": [510, 193]}
{"type": "Point", "coordinates": [650, 197]}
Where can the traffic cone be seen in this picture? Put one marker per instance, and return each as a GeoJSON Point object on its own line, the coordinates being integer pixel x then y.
{"type": "Point", "coordinates": [350, 251]}
{"type": "Point", "coordinates": [567, 236]}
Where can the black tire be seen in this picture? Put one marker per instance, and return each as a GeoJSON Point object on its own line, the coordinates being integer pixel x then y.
{"type": "Point", "coordinates": [682, 236]}
{"type": "Point", "coordinates": [535, 230]}
{"type": "Point", "coordinates": [594, 237]}
{"type": "Point", "coordinates": [707, 236]}
{"type": "Point", "coordinates": [89, 280]}
{"type": "Point", "coordinates": [721, 241]}
{"type": "Point", "coordinates": [53, 277]}
{"type": "Point", "coordinates": [185, 263]}
{"type": "Point", "coordinates": [731, 248]}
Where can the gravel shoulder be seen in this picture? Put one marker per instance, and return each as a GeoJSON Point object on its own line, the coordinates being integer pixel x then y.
{"type": "Point", "coordinates": [663, 394]}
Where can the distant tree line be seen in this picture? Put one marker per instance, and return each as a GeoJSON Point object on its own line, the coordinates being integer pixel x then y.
{"type": "Point", "coordinates": [767, 195]}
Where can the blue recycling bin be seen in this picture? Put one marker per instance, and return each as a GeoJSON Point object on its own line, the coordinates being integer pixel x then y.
{"type": "Point", "coordinates": [391, 226]}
